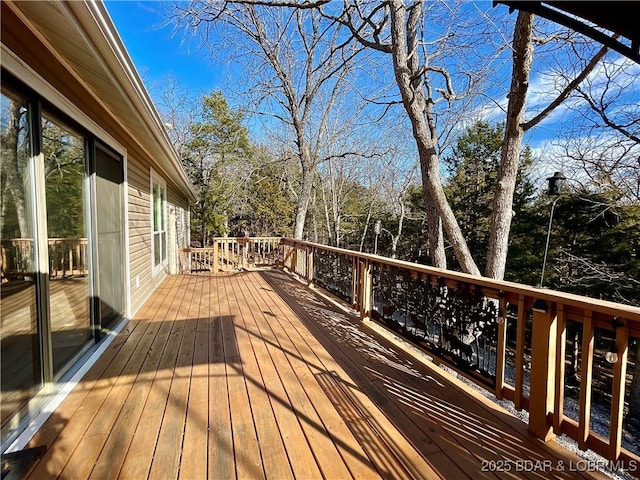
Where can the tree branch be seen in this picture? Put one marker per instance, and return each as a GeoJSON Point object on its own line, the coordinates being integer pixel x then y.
{"type": "Point", "coordinates": [571, 86]}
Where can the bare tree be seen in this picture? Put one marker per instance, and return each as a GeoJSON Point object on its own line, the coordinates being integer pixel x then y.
{"type": "Point", "coordinates": [515, 128]}
{"type": "Point", "coordinates": [428, 87]}
{"type": "Point", "coordinates": [396, 29]}
{"type": "Point", "coordinates": [602, 143]}
{"type": "Point", "coordinates": [395, 188]}
{"type": "Point", "coordinates": [297, 70]}
{"type": "Point", "coordinates": [12, 165]}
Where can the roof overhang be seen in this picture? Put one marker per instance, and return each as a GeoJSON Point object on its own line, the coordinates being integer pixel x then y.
{"type": "Point", "coordinates": [602, 21]}
{"type": "Point", "coordinates": [85, 39]}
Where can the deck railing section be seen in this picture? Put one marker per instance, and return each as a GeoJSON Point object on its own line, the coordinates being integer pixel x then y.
{"type": "Point", "coordinates": [232, 253]}
{"type": "Point", "coordinates": [570, 361]}
{"type": "Point", "coordinates": [67, 257]}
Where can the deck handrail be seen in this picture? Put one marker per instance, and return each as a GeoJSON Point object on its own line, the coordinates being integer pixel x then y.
{"type": "Point", "coordinates": [524, 325]}
{"type": "Point", "coordinates": [67, 256]}
{"type": "Point", "coordinates": [231, 253]}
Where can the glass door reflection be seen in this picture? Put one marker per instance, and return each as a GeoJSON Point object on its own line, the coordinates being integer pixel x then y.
{"type": "Point", "coordinates": [64, 167]}
{"type": "Point", "coordinates": [20, 350]}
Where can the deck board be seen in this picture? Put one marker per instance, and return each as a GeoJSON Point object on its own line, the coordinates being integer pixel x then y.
{"type": "Point", "coordinates": [300, 455]}
{"type": "Point", "coordinates": [253, 375]}
{"type": "Point", "coordinates": [139, 456]}
{"type": "Point", "coordinates": [272, 449]}
{"type": "Point", "coordinates": [195, 432]}
{"type": "Point", "coordinates": [346, 444]}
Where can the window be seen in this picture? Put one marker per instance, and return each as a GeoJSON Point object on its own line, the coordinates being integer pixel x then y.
{"type": "Point", "coordinates": [159, 222]}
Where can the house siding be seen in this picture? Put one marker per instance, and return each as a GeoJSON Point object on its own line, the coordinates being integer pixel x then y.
{"type": "Point", "coordinates": [65, 66]}
{"type": "Point", "coordinates": [142, 280]}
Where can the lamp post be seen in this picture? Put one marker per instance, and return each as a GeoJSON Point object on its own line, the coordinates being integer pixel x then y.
{"type": "Point", "coordinates": [377, 230]}
{"type": "Point", "coordinates": [555, 186]}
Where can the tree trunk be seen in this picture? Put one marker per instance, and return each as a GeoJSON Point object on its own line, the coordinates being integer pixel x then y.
{"type": "Point", "coordinates": [409, 77]}
{"type": "Point", "coordinates": [314, 218]}
{"type": "Point", "coordinates": [302, 206]}
{"type": "Point", "coordinates": [14, 170]}
{"type": "Point", "coordinates": [511, 148]}
{"type": "Point", "coordinates": [366, 227]}
{"type": "Point", "coordinates": [434, 234]}
{"type": "Point", "coordinates": [327, 218]}
{"type": "Point", "coordinates": [305, 189]}
{"type": "Point", "coordinates": [396, 238]}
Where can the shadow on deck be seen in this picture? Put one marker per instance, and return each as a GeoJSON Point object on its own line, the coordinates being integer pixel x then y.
{"type": "Point", "coordinates": [253, 375]}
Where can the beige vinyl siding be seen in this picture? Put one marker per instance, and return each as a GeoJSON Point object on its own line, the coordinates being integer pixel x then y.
{"type": "Point", "coordinates": [179, 201]}
{"type": "Point", "coordinates": [143, 282]}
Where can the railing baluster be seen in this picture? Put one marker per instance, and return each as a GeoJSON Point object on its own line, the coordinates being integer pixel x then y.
{"type": "Point", "coordinates": [501, 349]}
{"type": "Point", "coordinates": [561, 352]}
{"type": "Point", "coordinates": [586, 372]}
{"type": "Point", "coordinates": [521, 325]}
{"type": "Point", "coordinates": [354, 282]}
{"type": "Point", "coordinates": [310, 265]}
{"type": "Point", "coordinates": [366, 290]}
{"type": "Point", "coordinates": [617, 396]}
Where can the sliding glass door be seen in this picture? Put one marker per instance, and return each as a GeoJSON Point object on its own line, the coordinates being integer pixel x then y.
{"type": "Point", "coordinates": [20, 349]}
{"type": "Point", "coordinates": [62, 249]}
{"type": "Point", "coordinates": [109, 210]}
{"type": "Point", "coordinates": [65, 187]}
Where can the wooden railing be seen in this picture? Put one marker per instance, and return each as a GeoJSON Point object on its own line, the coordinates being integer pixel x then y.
{"type": "Point", "coordinates": [571, 361]}
{"type": "Point", "coordinates": [232, 253]}
{"type": "Point", "coordinates": [67, 257]}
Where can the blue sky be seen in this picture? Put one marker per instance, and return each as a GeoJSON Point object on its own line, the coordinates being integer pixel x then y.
{"type": "Point", "coordinates": [156, 51]}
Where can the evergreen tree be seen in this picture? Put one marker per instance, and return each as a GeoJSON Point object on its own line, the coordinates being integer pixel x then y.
{"type": "Point", "coordinates": [264, 206]}
{"type": "Point", "coordinates": [213, 159]}
{"type": "Point", "coordinates": [595, 242]}
{"type": "Point", "coordinates": [473, 173]}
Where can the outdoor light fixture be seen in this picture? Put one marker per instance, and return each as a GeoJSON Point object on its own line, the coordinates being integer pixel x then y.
{"type": "Point", "coordinates": [611, 357]}
{"type": "Point", "coordinates": [556, 182]}
{"type": "Point", "coordinates": [539, 306]}
{"type": "Point", "coordinates": [377, 229]}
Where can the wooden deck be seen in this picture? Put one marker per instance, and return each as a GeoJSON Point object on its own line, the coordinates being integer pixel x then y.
{"type": "Point", "coordinates": [253, 375]}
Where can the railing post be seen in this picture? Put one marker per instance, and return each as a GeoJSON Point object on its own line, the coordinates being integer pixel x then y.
{"type": "Point", "coordinates": [309, 262]}
{"type": "Point", "coordinates": [215, 256]}
{"type": "Point", "coordinates": [366, 286]}
{"type": "Point", "coordinates": [543, 361]}
{"type": "Point", "coordinates": [501, 347]}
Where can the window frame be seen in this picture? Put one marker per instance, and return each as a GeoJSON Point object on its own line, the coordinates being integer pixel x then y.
{"type": "Point", "coordinates": [158, 208]}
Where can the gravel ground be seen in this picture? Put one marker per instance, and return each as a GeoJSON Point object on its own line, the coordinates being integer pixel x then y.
{"type": "Point", "coordinates": [590, 457]}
